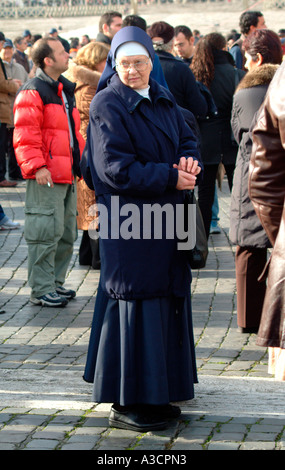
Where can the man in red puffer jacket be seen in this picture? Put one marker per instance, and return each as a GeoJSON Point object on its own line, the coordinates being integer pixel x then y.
{"type": "Point", "coordinates": [48, 146]}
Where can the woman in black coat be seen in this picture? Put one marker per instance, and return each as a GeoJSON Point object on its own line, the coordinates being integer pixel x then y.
{"type": "Point", "coordinates": [214, 67]}
{"type": "Point", "coordinates": [262, 51]}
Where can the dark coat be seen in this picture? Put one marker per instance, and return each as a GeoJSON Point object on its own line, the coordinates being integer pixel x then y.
{"type": "Point", "coordinates": [103, 38]}
{"type": "Point", "coordinates": [22, 59]}
{"type": "Point", "coordinates": [267, 192]}
{"type": "Point", "coordinates": [238, 54]}
{"type": "Point", "coordinates": [182, 84]}
{"type": "Point", "coordinates": [245, 227]}
{"type": "Point", "coordinates": [216, 134]}
{"type": "Point", "coordinates": [132, 146]}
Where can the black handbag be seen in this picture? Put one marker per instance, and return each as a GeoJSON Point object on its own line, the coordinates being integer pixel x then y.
{"type": "Point", "coordinates": [197, 257]}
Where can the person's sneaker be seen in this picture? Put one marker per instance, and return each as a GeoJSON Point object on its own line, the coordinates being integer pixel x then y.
{"type": "Point", "coordinates": [8, 224]}
{"type": "Point", "coordinates": [67, 293]}
{"type": "Point", "coordinates": [50, 300]}
{"type": "Point", "coordinates": [215, 229]}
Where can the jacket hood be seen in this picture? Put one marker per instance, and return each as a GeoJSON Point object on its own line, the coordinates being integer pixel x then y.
{"type": "Point", "coordinates": [260, 76]}
{"type": "Point", "coordinates": [82, 75]}
{"type": "Point", "coordinates": [67, 85]}
{"type": "Point", "coordinates": [222, 57]}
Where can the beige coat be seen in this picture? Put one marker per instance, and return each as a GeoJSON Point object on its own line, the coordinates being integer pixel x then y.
{"type": "Point", "coordinates": [86, 85]}
{"type": "Point", "coordinates": [15, 70]}
{"type": "Point", "coordinates": [7, 89]}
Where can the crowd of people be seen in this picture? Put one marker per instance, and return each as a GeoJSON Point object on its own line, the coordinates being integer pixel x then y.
{"type": "Point", "coordinates": [136, 117]}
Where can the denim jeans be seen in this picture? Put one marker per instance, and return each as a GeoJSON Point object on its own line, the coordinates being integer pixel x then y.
{"type": "Point", "coordinates": [2, 213]}
{"type": "Point", "coordinates": [215, 210]}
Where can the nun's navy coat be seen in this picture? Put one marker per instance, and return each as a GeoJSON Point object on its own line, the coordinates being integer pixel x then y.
{"type": "Point", "coordinates": [141, 348]}
{"type": "Point", "coordinates": [134, 143]}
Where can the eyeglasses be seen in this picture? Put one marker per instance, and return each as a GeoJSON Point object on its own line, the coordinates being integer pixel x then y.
{"type": "Point", "coordinates": [140, 66]}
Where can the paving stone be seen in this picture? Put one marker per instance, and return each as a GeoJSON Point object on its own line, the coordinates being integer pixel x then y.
{"type": "Point", "coordinates": [223, 446]}
{"type": "Point", "coordinates": [257, 445]}
{"type": "Point", "coordinates": [46, 405]}
{"type": "Point", "coordinates": [42, 444]}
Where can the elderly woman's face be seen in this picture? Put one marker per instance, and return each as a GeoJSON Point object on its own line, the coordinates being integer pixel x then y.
{"type": "Point", "coordinates": [134, 71]}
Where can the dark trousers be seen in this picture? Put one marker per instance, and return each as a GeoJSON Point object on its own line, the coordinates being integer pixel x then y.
{"type": "Point", "coordinates": [13, 167]}
{"type": "Point", "coordinates": [206, 191]}
{"type": "Point", "coordinates": [250, 263]}
{"type": "Point", "coordinates": [89, 251]}
{"type": "Point", "coordinates": [3, 149]}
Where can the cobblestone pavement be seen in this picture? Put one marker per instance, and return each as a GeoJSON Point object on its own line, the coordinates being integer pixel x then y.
{"type": "Point", "coordinates": [45, 404]}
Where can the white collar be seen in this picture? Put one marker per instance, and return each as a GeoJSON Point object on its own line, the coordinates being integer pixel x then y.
{"type": "Point", "coordinates": [144, 92]}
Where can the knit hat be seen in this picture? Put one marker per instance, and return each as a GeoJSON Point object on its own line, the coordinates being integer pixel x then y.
{"type": "Point", "coordinates": [162, 30]}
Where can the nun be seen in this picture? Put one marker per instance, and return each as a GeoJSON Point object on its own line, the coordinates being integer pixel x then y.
{"type": "Point", "coordinates": [142, 157]}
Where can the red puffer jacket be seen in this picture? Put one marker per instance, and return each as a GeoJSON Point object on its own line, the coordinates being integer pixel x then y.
{"type": "Point", "coordinates": [41, 135]}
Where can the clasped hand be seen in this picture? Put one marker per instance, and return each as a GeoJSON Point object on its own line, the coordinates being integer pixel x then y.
{"type": "Point", "coordinates": [188, 169]}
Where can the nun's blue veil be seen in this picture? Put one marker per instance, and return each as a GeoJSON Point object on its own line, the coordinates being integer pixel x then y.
{"type": "Point", "coordinates": [126, 34]}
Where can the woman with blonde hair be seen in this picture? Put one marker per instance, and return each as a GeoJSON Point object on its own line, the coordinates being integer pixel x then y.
{"type": "Point", "coordinates": [85, 70]}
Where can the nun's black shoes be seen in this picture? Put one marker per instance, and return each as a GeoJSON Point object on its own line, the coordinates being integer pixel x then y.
{"type": "Point", "coordinates": [162, 411]}
{"type": "Point", "coordinates": [253, 329]}
{"type": "Point", "coordinates": [142, 418]}
{"type": "Point", "coordinates": [134, 419]}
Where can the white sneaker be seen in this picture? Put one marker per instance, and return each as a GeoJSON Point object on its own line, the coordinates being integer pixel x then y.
{"type": "Point", "coordinates": [8, 224]}
{"type": "Point", "coordinates": [50, 300]}
{"type": "Point", "coordinates": [215, 229]}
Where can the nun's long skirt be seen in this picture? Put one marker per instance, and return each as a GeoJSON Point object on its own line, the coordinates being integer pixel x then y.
{"type": "Point", "coordinates": [141, 351]}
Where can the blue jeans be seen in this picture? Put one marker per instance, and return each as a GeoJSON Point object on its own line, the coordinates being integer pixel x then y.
{"type": "Point", "coordinates": [2, 213]}
{"type": "Point", "coordinates": [215, 210]}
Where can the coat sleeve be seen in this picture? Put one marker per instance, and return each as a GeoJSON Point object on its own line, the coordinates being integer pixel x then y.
{"type": "Point", "coordinates": [27, 138]}
{"type": "Point", "coordinates": [237, 55]}
{"type": "Point", "coordinates": [245, 105]}
{"type": "Point", "coordinates": [83, 100]}
{"type": "Point", "coordinates": [194, 99]}
{"type": "Point", "coordinates": [235, 119]}
{"type": "Point", "coordinates": [7, 86]}
{"type": "Point", "coordinates": [267, 166]}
